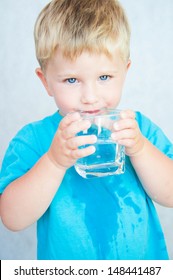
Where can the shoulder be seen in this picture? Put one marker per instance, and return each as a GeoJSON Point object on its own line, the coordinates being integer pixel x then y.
{"type": "Point", "coordinates": [27, 146]}
{"type": "Point", "coordinates": [147, 127]}
{"type": "Point", "coordinates": [48, 123]}
{"type": "Point", "coordinates": [34, 139]}
{"type": "Point", "coordinates": [144, 122]}
{"type": "Point", "coordinates": [38, 134]}
{"type": "Point", "coordinates": [154, 134]}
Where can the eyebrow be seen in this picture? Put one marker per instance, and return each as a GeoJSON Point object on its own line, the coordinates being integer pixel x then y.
{"type": "Point", "coordinates": [66, 75]}
{"type": "Point", "coordinates": [100, 73]}
{"type": "Point", "coordinates": [112, 72]}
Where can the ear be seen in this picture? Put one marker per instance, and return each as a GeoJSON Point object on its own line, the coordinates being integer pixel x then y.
{"type": "Point", "coordinates": [128, 64]}
{"type": "Point", "coordinates": [43, 79]}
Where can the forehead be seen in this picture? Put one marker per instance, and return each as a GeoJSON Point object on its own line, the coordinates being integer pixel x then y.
{"type": "Point", "coordinates": [85, 59]}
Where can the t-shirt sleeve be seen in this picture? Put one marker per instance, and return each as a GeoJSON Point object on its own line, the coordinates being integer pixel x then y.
{"type": "Point", "coordinates": [23, 152]}
{"type": "Point", "coordinates": [154, 134]}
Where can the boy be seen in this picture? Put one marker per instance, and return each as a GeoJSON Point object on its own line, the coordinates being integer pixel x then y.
{"type": "Point", "coordinates": [83, 50]}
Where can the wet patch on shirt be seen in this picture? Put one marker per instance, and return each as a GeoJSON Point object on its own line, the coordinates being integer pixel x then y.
{"type": "Point", "coordinates": [129, 202]}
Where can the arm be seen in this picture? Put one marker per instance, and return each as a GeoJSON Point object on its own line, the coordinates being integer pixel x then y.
{"type": "Point", "coordinates": [154, 169]}
{"type": "Point", "coordinates": [0, 205]}
{"type": "Point", "coordinates": [27, 198]}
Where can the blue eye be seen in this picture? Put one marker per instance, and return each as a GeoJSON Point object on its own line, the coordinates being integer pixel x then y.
{"type": "Point", "coordinates": [71, 80]}
{"type": "Point", "coordinates": [104, 77]}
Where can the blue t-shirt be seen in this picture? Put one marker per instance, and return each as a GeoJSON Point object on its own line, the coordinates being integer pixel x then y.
{"type": "Point", "coordinates": [108, 218]}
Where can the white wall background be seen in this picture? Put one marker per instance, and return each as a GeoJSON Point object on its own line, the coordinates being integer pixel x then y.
{"type": "Point", "coordinates": [149, 86]}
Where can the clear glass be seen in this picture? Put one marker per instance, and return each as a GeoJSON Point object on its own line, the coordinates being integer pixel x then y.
{"type": "Point", "coordinates": [109, 157]}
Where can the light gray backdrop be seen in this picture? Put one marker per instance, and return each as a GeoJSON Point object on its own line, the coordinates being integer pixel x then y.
{"type": "Point", "coordinates": [149, 86]}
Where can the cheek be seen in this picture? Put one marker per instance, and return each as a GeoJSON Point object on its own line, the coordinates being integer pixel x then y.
{"type": "Point", "coordinates": [113, 100]}
{"type": "Point", "coordinates": [64, 103]}
{"type": "Point", "coordinates": [61, 99]}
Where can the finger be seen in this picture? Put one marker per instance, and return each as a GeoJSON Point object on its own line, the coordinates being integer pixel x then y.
{"type": "Point", "coordinates": [124, 134]}
{"type": "Point", "coordinates": [124, 124]}
{"type": "Point", "coordinates": [74, 143]}
{"type": "Point", "coordinates": [68, 119]}
{"type": "Point", "coordinates": [127, 114]}
{"type": "Point", "coordinates": [128, 143]}
{"type": "Point", "coordinates": [80, 153]}
{"type": "Point", "coordinates": [75, 127]}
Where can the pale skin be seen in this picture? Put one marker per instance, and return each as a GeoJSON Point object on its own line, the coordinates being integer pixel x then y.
{"type": "Point", "coordinates": [75, 87]}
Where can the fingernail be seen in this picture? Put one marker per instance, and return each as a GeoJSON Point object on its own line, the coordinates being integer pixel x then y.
{"type": "Point", "coordinates": [116, 126]}
{"type": "Point", "coordinates": [94, 138]}
{"type": "Point", "coordinates": [123, 115]}
{"type": "Point", "coordinates": [113, 136]}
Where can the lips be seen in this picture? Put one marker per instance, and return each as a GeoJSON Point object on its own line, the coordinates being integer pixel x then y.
{"type": "Point", "coordinates": [92, 112]}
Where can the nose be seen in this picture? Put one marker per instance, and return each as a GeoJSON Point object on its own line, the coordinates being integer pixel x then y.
{"type": "Point", "coordinates": [89, 94]}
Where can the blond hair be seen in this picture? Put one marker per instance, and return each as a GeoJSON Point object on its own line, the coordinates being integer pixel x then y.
{"type": "Point", "coordinates": [75, 26]}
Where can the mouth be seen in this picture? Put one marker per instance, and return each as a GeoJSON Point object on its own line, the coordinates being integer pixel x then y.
{"type": "Point", "coordinates": [91, 112]}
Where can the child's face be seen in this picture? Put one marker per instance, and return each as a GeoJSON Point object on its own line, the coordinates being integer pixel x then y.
{"type": "Point", "coordinates": [89, 83]}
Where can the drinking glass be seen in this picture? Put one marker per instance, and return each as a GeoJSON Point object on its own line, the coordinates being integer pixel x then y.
{"type": "Point", "coordinates": [109, 156]}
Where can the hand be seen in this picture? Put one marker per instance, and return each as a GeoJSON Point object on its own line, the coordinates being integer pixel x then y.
{"type": "Point", "coordinates": [126, 132]}
{"type": "Point", "coordinates": [64, 149]}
